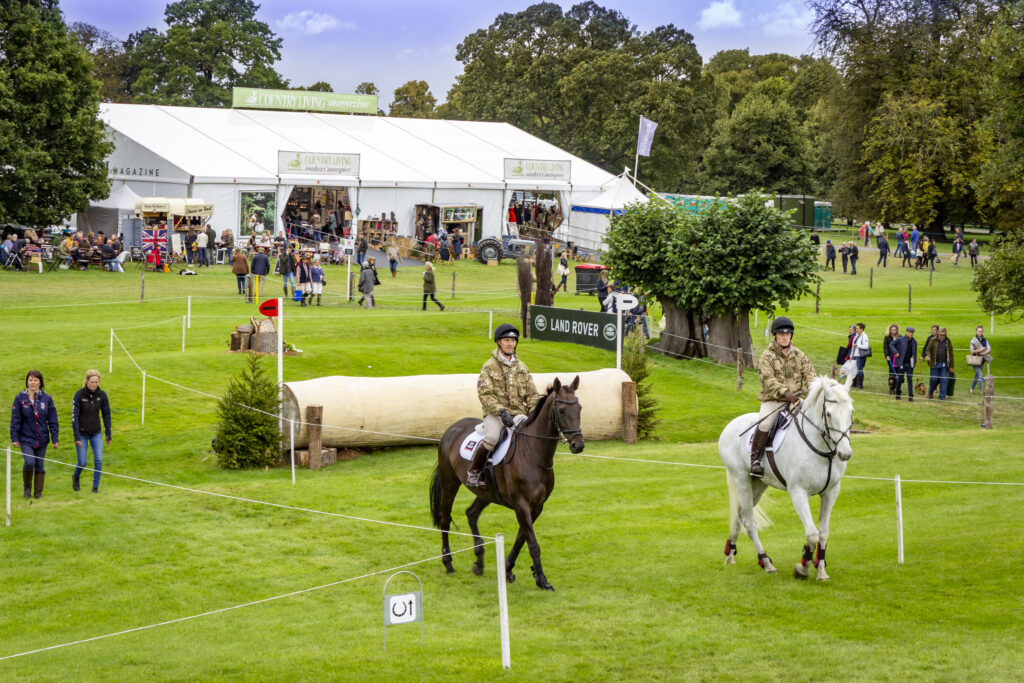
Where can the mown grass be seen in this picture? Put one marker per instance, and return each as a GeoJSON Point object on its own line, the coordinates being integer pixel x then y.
{"type": "Point", "coordinates": [633, 548]}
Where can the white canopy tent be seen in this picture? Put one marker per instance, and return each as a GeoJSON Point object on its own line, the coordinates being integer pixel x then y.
{"type": "Point", "coordinates": [219, 153]}
{"type": "Point", "coordinates": [591, 213]}
{"type": "Point", "coordinates": [104, 216]}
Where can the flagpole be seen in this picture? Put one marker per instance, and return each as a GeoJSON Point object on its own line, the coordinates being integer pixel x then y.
{"type": "Point", "coordinates": [636, 162]}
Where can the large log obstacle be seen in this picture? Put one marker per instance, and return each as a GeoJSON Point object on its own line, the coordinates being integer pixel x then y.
{"type": "Point", "coordinates": [412, 410]}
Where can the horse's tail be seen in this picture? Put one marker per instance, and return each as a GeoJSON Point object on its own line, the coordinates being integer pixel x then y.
{"type": "Point", "coordinates": [435, 497]}
{"type": "Point", "coordinates": [761, 518]}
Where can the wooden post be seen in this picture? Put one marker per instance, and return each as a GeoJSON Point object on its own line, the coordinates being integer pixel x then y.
{"type": "Point", "coordinates": [351, 286]}
{"type": "Point", "coordinates": [990, 390]}
{"type": "Point", "coordinates": [833, 371]}
{"type": "Point", "coordinates": [453, 284]}
{"type": "Point", "coordinates": [910, 298]}
{"type": "Point", "coordinates": [314, 420]}
{"type": "Point", "coordinates": [248, 286]}
{"type": "Point", "coordinates": [142, 284]}
{"type": "Point", "coordinates": [529, 331]}
{"type": "Point", "coordinates": [817, 301]}
{"type": "Point", "coordinates": [739, 368]}
{"type": "Point", "coordinates": [871, 278]}
{"type": "Point", "coordinates": [629, 412]}
{"type": "Point", "coordinates": [931, 271]}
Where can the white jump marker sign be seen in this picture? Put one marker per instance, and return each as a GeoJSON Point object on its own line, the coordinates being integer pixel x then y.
{"type": "Point", "coordinates": [402, 608]}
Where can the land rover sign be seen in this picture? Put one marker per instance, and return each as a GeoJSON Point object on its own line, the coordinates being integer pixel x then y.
{"type": "Point", "coordinates": [589, 328]}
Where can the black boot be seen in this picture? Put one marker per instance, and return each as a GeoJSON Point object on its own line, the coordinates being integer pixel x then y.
{"type": "Point", "coordinates": [75, 484]}
{"type": "Point", "coordinates": [756, 450]}
{"type": "Point", "coordinates": [26, 476]}
{"type": "Point", "coordinates": [37, 490]}
{"type": "Point", "coordinates": [473, 477]}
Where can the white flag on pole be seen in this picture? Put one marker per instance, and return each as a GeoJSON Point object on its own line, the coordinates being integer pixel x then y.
{"type": "Point", "coordinates": [645, 137]}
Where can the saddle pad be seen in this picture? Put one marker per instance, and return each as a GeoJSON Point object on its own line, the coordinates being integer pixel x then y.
{"type": "Point", "coordinates": [780, 435]}
{"type": "Point", "coordinates": [470, 443]}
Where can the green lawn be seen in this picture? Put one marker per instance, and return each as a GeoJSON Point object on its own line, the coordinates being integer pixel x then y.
{"type": "Point", "coordinates": [633, 548]}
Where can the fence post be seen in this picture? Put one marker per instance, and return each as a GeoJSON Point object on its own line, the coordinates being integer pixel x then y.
{"type": "Point", "coordinates": [183, 334]}
{"type": "Point", "coordinates": [909, 297]}
{"type": "Point", "coordinates": [7, 480]}
{"type": "Point", "coordinates": [629, 412]}
{"type": "Point", "coordinates": [499, 550]}
{"type": "Point", "coordinates": [190, 311]}
{"type": "Point", "coordinates": [899, 522]}
{"type": "Point", "coordinates": [110, 366]}
{"type": "Point", "coordinates": [351, 279]}
{"type": "Point", "coordinates": [990, 390]}
{"type": "Point", "coordinates": [143, 397]}
{"type": "Point", "coordinates": [871, 278]}
{"type": "Point", "coordinates": [833, 371]}
{"type": "Point", "coordinates": [739, 368]}
{"type": "Point", "coordinates": [490, 323]}
{"type": "Point", "coordinates": [142, 284]}
{"type": "Point", "coordinates": [931, 271]}
{"type": "Point", "coordinates": [314, 420]}
{"type": "Point", "coordinates": [453, 284]}
{"type": "Point", "coordinates": [248, 289]}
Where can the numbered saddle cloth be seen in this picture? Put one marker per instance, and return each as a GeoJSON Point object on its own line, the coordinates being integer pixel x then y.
{"type": "Point", "coordinates": [476, 437]}
{"type": "Point", "coordinates": [781, 429]}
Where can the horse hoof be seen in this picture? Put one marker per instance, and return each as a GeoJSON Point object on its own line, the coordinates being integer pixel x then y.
{"type": "Point", "coordinates": [730, 559]}
{"type": "Point", "coordinates": [510, 577]}
{"type": "Point", "coordinates": [449, 570]}
{"type": "Point", "coordinates": [799, 571]}
{"type": "Point", "coordinates": [544, 585]}
{"type": "Point", "coordinates": [768, 567]}
{"type": "Point", "coordinates": [822, 574]}
{"type": "Point", "coordinates": [478, 570]}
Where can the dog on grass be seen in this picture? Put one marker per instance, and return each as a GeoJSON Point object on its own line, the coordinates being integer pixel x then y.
{"type": "Point", "coordinates": [186, 271]}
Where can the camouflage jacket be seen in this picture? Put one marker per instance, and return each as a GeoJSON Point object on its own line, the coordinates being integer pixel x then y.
{"type": "Point", "coordinates": [508, 386]}
{"type": "Point", "coordinates": [780, 373]}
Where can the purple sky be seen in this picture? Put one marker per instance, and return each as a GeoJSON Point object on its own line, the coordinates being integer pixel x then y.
{"type": "Point", "coordinates": [390, 42]}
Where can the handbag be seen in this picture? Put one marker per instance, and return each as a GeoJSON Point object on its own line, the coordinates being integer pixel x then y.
{"type": "Point", "coordinates": [974, 360]}
{"type": "Point", "coordinates": [950, 383]}
{"type": "Point", "coordinates": [841, 355]}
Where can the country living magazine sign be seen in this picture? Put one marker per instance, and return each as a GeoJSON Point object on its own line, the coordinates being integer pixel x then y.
{"type": "Point", "coordinates": [303, 100]}
{"type": "Point", "coordinates": [317, 163]}
{"type": "Point", "coordinates": [538, 169]}
{"type": "Point", "coordinates": [570, 325]}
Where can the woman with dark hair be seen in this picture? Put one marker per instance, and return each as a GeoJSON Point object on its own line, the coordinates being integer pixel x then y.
{"type": "Point", "coordinates": [33, 425]}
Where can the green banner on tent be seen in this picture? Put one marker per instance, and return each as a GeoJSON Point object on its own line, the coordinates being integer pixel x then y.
{"type": "Point", "coordinates": [303, 100]}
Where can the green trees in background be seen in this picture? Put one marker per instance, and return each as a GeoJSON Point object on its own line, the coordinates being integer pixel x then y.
{"type": "Point", "coordinates": [413, 100]}
{"type": "Point", "coordinates": [714, 266]}
{"type": "Point", "coordinates": [52, 143]}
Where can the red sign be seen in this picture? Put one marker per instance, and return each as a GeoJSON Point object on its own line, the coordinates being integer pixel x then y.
{"type": "Point", "coordinates": [269, 308]}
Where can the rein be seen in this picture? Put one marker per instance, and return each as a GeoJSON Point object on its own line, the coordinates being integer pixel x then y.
{"type": "Point", "coordinates": [825, 432]}
{"type": "Point", "coordinates": [559, 425]}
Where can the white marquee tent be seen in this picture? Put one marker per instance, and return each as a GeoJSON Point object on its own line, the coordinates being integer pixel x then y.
{"type": "Point", "coordinates": [103, 216]}
{"type": "Point", "coordinates": [591, 213]}
{"type": "Point", "coordinates": [217, 154]}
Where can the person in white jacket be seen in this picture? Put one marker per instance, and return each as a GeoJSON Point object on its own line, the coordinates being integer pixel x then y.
{"type": "Point", "coordinates": [860, 351]}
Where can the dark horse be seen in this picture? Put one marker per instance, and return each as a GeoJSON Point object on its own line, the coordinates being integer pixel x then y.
{"type": "Point", "coordinates": [524, 479]}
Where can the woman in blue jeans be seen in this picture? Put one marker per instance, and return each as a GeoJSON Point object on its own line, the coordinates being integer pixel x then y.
{"type": "Point", "coordinates": [859, 351]}
{"type": "Point", "coordinates": [33, 425]}
{"type": "Point", "coordinates": [87, 407]}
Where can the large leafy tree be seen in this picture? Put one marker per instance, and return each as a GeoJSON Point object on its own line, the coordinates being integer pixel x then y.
{"type": "Point", "coordinates": [999, 280]}
{"type": "Point", "coordinates": [714, 266]}
{"type": "Point", "coordinates": [413, 100]}
{"type": "Point", "coordinates": [899, 52]}
{"type": "Point", "coordinates": [209, 47]}
{"type": "Point", "coordinates": [761, 144]}
{"type": "Point", "coordinates": [52, 143]}
{"type": "Point", "coordinates": [581, 79]}
{"type": "Point", "coordinates": [109, 60]}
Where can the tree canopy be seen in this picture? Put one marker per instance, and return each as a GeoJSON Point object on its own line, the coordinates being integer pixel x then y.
{"type": "Point", "coordinates": [715, 265]}
{"type": "Point", "coordinates": [413, 100]}
{"type": "Point", "coordinates": [52, 143]}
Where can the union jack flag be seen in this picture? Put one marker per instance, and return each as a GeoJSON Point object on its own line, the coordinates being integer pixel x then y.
{"type": "Point", "coordinates": [154, 239]}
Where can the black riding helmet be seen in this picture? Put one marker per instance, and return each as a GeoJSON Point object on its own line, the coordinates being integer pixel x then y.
{"type": "Point", "coordinates": [506, 331]}
{"type": "Point", "coordinates": [782, 324]}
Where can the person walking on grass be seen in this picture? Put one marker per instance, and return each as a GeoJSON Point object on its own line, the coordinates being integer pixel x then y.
{"type": "Point", "coordinates": [972, 251]}
{"type": "Point", "coordinates": [240, 267]}
{"type": "Point", "coordinates": [844, 251]}
{"type": "Point", "coordinates": [563, 271]}
{"type": "Point", "coordinates": [883, 252]}
{"type": "Point", "coordinates": [393, 259]}
{"type": "Point", "coordinates": [904, 356]}
{"type": "Point", "coordinates": [287, 269]}
{"type": "Point", "coordinates": [860, 351]}
{"type": "Point", "coordinates": [318, 280]}
{"type": "Point", "coordinates": [830, 255]}
{"type": "Point", "coordinates": [429, 286]}
{"type": "Point", "coordinates": [890, 336]}
{"type": "Point", "coordinates": [366, 278]}
{"type": "Point", "coordinates": [939, 354]}
{"type": "Point", "coordinates": [305, 271]}
{"type": "Point", "coordinates": [33, 427]}
{"type": "Point", "coordinates": [260, 269]}
{"type": "Point", "coordinates": [980, 348]}
{"type": "Point", "coordinates": [89, 406]}
{"type": "Point", "coordinates": [854, 255]}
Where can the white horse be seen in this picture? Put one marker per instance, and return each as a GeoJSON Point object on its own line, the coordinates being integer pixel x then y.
{"type": "Point", "coordinates": [810, 461]}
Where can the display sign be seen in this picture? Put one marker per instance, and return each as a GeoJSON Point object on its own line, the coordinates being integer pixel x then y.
{"type": "Point", "coordinates": [317, 163]}
{"type": "Point", "coordinates": [589, 328]}
{"type": "Point", "coordinates": [538, 169]}
{"type": "Point", "coordinates": [402, 609]}
{"type": "Point", "coordinates": [303, 100]}
{"type": "Point", "coordinates": [269, 308]}
{"type": "Point", "coordinates": [626, 301]}
{"type": "Point", "coordinates": [458, 214]}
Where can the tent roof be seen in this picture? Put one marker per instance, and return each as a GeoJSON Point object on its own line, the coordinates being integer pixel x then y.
{"type": "Point", "coordinates": [615, 195]}
{"type": "Point", "coordinates": [213, 144]}
{"type": "Point", "coordinates": [121, 198]}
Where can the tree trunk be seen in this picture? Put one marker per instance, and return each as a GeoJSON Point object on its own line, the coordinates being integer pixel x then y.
{"type": "Point", "coordinates": [728, 332]}
{"type": "Point", "coordinates": [525, 281]}
{"type": "Point", "coordinates": [935, 230]}
{"type": "Point", "coordinates": [545, 295]}
{"type": "Point", "coordinates": [682, 336]}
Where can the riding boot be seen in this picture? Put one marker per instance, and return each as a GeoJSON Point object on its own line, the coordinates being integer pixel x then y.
{"type": "Point", "coordinates": [26, 476]}
{"type": "Point", "coordinates": [473, 477]}
{"type": "Point", "coordinates": [318, 299]}
{"type": "Point", "coordinates": [756, 450]}
{"type": "Point", "coordinates": [38, 488]}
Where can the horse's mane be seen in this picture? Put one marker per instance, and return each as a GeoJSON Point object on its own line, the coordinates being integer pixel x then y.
{"type": "Point", "coordinates": [818, 387]}
{"type": "Point", "coordinates": [539, 407]}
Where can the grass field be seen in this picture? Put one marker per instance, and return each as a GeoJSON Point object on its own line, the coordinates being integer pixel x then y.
{"type": "Point", "coordinates": [633, 548]}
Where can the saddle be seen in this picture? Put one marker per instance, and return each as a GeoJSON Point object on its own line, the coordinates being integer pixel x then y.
{"type": "Point", "coordinates": [476, 437]}
{"type": "Point", "coordinates": [777, 433]}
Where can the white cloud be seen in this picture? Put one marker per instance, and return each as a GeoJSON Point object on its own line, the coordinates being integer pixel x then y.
{"type": "Point", "coordinates": [311, 23]}
{"type": "Point", "coordinates": [788, 19]}
{"type": "Point", "coordinates": [720, 14]}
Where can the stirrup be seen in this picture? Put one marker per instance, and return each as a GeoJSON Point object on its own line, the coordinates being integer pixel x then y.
{"type": "Point", "coordinates": [756, 469]}
{"type": "Point", "coordinates": [474, 478]}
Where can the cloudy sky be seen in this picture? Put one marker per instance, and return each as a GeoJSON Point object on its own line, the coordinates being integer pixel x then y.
{"type": "Point", "coordinates": [389, 42]}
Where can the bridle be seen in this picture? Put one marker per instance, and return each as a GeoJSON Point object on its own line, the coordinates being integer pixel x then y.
{"type": "Point", "coordinates": [559, 425]}
{"type": "Point", "coordinates": [825, 431]}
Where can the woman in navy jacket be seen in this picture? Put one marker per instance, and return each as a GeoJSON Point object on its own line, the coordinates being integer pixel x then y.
{"type": "Point", "coordinates": [33, 425]}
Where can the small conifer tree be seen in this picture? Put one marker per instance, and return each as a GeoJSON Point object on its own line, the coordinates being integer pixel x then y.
{"type": "Point", "coordinates": [634, 363]}
{"type": "Point", "coordinates": [247, 437]}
